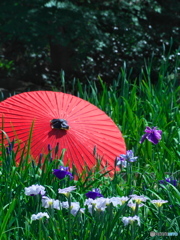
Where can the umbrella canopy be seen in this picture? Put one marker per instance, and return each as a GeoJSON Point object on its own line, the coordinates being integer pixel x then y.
{"type": "Point", "coordinates": [63, 119]}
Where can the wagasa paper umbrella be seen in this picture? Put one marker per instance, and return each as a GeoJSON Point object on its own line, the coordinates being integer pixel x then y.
{"type": "Point", "coordinates": [69, 121]}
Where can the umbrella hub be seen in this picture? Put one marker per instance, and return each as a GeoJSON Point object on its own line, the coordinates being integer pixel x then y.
{"type": "Point", "coordinates": [59, 124]}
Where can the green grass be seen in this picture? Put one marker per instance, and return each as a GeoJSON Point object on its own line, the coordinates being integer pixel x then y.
{"type": "Point", "coordinates": [132, 106]}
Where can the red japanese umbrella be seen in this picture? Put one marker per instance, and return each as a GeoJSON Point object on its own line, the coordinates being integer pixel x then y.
{"type": "Point", "coordinates": [59, 118]}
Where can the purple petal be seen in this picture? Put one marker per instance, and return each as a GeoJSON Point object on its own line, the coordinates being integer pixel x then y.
{"type": "Point", "coordinates": [144, 137]}
{"type": "Point", "coordinates": [148, 130]}
{"type": "Point", "coordinates": [152, 138]}
{"type": "Point", "coordinates": [133, 159]}
{"type": "Point", "coordinates": [123, 157]}
{"type": "Point", "coordinates": [62, 174]}
{"type": "Point", "coordinates": [93, 195]}
{"type": "Point", "coordinates": [130, 153]}
{"type": "Point", "coordinates": [174, 182]}
{"type": "Point", "coordinates": [162, 182]}
{"type": "Point", "coordinates": [168, 180]}
{"type": "Point", "coordinates": [97, 190]}
{"type": "Point", "coordinates": [49, 147]}
{"type": "Point", "coordinates": [62, 168]}
{"type": "Point", "coordinates": [158, 134]}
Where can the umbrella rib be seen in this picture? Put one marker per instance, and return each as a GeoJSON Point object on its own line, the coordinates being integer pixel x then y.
{"type": "Point", "coordinates": [109, 145]}
{"type": "Point", "coordinates": [50, 104]}
{"type": "Point", "coordinates": [57, 105]}
{"type": "Point", "coordinates": [71, 146]}
{"type": "Point", "coordinates": [94, 137]}
{"type": "Point", "coordinates": [81, 146]}
{"type": "Point", "coordinates": [46, 104]}
{"type": "Point", "coordinates": [33, 96]}
{"type": "Point", "coordinates": [20, 111]}
{"type": "Point", "coordinates": [70, 150]}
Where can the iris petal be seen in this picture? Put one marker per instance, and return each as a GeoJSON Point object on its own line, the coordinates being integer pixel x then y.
{"type": "Point", "coordinates": [144, 137]}
{"type": "Point", "coordinates": [152, 135]}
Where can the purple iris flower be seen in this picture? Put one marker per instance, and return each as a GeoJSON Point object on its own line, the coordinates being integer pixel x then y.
{"type": "Point", "coordinates": [7, 150]}
{"type": "Point", "coordinates": [119, 161]}
{"type": "Point", "coordinates": [169, 180]}
{"type": "Point", "coordinates": [56, 148]}
{"type": "Point", "coordinates": [152, 135]}
{"type": "Point", "coordinates": [10, 147]}
{"type": "Point", "coordinates": [40, 157]}
{"type": "Point", "coordinates": [95, 193]}
{"type": "Point", "coordinates": [49, 148]}
{"type": "Point", "coordinates": [62, 172]}
{"type": "Point", "coordinates": [129, 156]}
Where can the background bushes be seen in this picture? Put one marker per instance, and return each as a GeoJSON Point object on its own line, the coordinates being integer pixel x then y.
{"type": "Point", "coordinates": [39, 38]}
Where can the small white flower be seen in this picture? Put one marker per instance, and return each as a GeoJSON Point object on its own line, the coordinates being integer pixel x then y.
{"type": "Point", "coordinates": [123, 199]}
{"type": "Point", "coordinates": [159, 202]}
{"type": "Point", "coordinates": [101, 204]}
{"type": "Point", "coordinates": [88, 201]}
{"type": "Point", "coordinates": [133, 205]}
{"type": "Point", "coordinates": [35, 190]}
{"type": "Point", "coordinates": [73, 204]}
{"type": "Point", "coordinates": [51, 203]}
{"type": "Point", "coordinates": [65, 205]}
{"type": "Point", "coordinates": [39, 216]}
{"type": "Point", "coordinates": [115, 201]}
{"type": "Point", "coordinates": [121, 163]}
{"type": "Point", "coordinates": [74, 211]}
{"type": "Point", "coordinates": [119, 200]}
{"type": "Point", "coordinates": [66, 191]}
{"type": "Point", "coordinates": [74, 208]}
{"type": "Point", "coordinates": [138, 199]}
{"type": "Point", "coordinates": [124, 164]}
{"type": "Point", "coordinates": [98, 204]}
{"type": "Point", "coordinates": [105, 201]}
{"type": "Point", "coordinates": [130, 220]}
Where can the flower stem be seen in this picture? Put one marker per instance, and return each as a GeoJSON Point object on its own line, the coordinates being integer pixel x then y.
{"type": "Point", "coordinates": [69, 218]}
{"type": "Point", "coordinates": [40, 229]}
{"type": "Point", "coordinates": [160, 220]}
{"type": "Point", "coordinates": [129, 177]}
{"type": "Point", "coordinates": [132, 231]}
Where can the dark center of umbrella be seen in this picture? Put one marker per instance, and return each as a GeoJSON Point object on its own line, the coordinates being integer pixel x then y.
{"type": "Point", "coordinates": [59, 124]}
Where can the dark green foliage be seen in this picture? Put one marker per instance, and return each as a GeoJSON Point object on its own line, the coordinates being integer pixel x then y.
{"type": "Point", "coordinates": [83, 38]}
